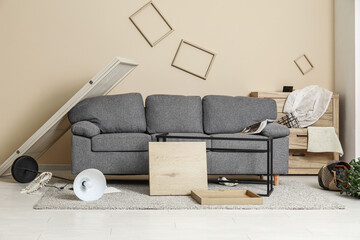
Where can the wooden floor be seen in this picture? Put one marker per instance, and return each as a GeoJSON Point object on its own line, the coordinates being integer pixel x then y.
{"type": "Point", "coordinates": [19, 221]}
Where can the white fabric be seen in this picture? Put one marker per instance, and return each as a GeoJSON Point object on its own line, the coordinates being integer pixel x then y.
{"type": "Point", "coordinates": [39, 182]}
{"type": "Point", "coordinates": [308, 104]}
{"type": "Point", "coordinates": [323, 139]}
{"type": "Point", "coordinates": [111, 190]}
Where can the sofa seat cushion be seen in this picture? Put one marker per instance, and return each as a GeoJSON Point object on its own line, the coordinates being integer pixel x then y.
{"type": "Point", "coordinates": [120, 113]}
{"type": "Point", "coordinates": [238, 144]}
{"type": "Point", "coordinates": [208, 142]}
{"type": "Point", "coordinates": [120, 142]}
{"type": "Point", "coordinates": [174, 113]}
{"type": "Point", "coordinates": [225, 114]}
{"type": "Point", "coordinates": [275, 130]}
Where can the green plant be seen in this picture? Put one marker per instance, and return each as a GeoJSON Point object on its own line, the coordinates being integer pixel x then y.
{"type": "Point", "coordinates": [351, 179]}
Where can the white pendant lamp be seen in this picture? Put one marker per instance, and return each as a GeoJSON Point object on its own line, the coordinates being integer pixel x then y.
{"type": "Point", "coordinates": [89, 185]}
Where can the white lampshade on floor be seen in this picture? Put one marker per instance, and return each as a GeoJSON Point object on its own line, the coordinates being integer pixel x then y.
{"type": "Point", "coordinates": [89, 185]}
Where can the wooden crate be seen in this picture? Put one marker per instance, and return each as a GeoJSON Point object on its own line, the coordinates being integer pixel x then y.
{"type": "Point", "coordinates": [300, 161]}
{"type": "Point", "coordinates": [226, 197]}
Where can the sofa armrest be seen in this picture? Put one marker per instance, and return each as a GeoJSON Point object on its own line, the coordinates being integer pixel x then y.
{"type": "Point", "coordinates": [85, 129]}
{"type": "Point", "coordinates": [275, 130]}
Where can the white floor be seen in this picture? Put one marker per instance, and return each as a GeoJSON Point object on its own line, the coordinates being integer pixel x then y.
{"type": "Point", "coordinates": [19, 221]}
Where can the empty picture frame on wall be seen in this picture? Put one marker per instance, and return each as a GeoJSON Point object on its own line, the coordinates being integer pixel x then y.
{"type": "Point", "coordinates": [304, 64]}
{"type": "Point", "coordinates": [151, 24]}
{"type": "Point", "coordinates": [193, 59]}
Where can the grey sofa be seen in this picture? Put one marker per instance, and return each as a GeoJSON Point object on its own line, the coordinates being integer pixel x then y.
{"type": "Point", "coordinates": [111, 133]}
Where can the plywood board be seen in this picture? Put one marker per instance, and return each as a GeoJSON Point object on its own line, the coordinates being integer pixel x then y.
{"type": "Point", "coordinates": [101, 84]}
{"type": "Point", "coordinates": [176, 168]}
{"type": "Point", "coordinates": [226, 197]}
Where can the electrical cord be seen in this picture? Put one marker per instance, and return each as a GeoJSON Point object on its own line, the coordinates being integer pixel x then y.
{"type": "Point", "coordinates": [58, 188]}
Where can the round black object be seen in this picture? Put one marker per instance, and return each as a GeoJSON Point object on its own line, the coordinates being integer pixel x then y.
{"type": "Point", "coordinates": [24, 169]}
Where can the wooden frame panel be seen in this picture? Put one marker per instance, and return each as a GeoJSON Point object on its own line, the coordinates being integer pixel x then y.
{"type": "Point", "coordinates": [178, 52]}
{"type": "Point", "coordinates": [299, 65]}
{"type": "Point", "coordinates": [226, 197]}
{"type": "Point", "coordinates": [139, 25]}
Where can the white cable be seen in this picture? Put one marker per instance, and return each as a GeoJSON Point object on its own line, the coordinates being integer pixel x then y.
{"type": "Point", "coordinates": [37, 183]}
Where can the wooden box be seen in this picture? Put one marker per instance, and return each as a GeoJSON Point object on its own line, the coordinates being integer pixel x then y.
{"type": "Point", "coordinates": [226, 197]}
{"type": "Point", "coordinates": [301, 161]}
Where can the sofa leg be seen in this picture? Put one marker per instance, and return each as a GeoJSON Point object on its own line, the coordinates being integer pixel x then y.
{"type": "Point", "coordinates": [276, 179]}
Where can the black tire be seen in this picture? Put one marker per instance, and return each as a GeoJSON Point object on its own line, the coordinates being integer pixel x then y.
{"type": "Point", "coordinates": [24, 169]}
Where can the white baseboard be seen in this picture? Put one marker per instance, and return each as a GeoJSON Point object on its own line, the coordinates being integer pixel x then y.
{"type": "Point", "coordinates": [54, 167]}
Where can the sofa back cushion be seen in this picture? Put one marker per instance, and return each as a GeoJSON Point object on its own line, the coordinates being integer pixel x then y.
{"type": "Point", "coordinates": [174, 113]}
{"type": "Point", "coordinates": [112, 114]}
{"type": "Point", "coordinates": [225, 114]}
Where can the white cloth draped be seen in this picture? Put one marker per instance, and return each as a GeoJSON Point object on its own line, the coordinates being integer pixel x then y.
{"type": "Point", "coordinates": [323, 139]}
{"type": "Point", "coordinates": [308, 104]}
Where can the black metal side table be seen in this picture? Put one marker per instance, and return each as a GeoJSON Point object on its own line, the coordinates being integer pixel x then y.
{"type": "Point", "coordinates": [269, 159]}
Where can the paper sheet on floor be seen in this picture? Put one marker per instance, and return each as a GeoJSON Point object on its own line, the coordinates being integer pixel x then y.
{"type": "Point", "coordinates": [111, 190]}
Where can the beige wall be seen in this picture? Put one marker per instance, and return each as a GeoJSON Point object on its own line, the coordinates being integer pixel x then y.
{"type": "Point", "coordinates": [49, 49]}
{"type": "Point", "coordinates": [347, 69]}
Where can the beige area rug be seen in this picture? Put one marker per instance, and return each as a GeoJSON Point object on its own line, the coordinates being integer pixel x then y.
{"type": "Point", "coordinates": [135, 195]}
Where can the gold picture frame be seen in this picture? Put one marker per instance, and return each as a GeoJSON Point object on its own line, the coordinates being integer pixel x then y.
{"type": "Point", "coordinates": [204, 64]}
{"type": "Point", "coordinates": [301, 63]}
{"type": "Point", "coordinates": [142, 23]}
